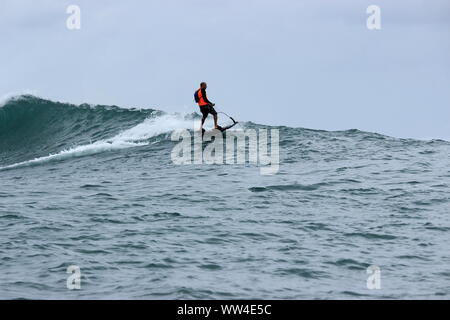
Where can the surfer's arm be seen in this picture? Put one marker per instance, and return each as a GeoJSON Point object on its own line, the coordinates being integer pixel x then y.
{"type": "Point", "coordinates": [205, 97]}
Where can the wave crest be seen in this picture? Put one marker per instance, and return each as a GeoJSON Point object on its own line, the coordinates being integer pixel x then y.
{"type": "Point", "coordinates": [35, 130]}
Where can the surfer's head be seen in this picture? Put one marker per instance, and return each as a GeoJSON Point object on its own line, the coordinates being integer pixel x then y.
{"type": "Point", "coordinates": [203, 85]}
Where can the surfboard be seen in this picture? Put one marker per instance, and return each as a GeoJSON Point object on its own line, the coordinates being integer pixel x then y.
{"type": "Point", "coordinates": [222, 129]}
{"type": "Point", "coordinates": [227, 127]}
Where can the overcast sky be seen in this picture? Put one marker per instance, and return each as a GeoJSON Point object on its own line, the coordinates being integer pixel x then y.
{"type": "Point", "coordinates": [302, 63]}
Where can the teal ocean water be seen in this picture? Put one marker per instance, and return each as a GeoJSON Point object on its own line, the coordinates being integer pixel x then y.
{"type": "Point", "coordinates": [95, 187]}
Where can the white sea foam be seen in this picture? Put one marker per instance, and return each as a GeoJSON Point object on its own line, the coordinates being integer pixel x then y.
{"type": "Point", "coordinates": [133, 137]}
{"type": "Point", "coordinates": [155, 126]}
{"type": "Point", "coordinates": [13, 95]}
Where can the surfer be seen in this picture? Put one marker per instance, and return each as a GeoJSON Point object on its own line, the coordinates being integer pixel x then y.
{"type": "Point", "coordinates": [206, 106]}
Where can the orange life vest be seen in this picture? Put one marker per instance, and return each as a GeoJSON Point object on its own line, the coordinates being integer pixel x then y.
{"type": "Point", "coordinates": [201, 99]}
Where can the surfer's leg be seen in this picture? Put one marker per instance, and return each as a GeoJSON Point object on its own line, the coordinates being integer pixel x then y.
{"type": "Point", "coordinates": [204, 116]}
{"type": "Point", "coordinates": [215, 121]}
{"type": "Point", "coordinates": [202, 122]}
{"type": "Point", "coordinates": [214, 114]}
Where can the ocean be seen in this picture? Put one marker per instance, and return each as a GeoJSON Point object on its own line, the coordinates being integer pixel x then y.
{"type": "Point", "coordinates": [91, 192]}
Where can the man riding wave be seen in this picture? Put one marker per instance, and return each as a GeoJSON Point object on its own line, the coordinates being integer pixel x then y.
{"type": "Point", "coordinates": [206, 106]}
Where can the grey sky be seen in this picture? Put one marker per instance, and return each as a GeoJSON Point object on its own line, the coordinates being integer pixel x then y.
{"type": "Point", "coordinates": [308, 63]}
